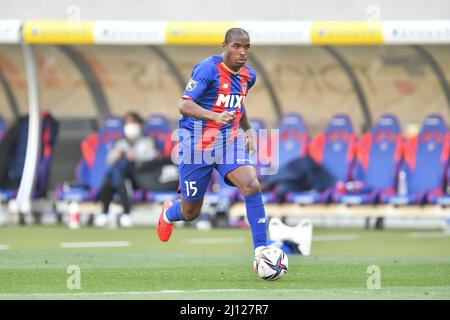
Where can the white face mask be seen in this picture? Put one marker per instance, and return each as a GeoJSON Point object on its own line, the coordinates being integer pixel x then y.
{"type": "Point", "coordinates": [132, 131]}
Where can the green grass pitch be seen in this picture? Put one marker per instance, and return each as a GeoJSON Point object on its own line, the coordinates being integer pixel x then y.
{"type": "Point", "coordinates": [217, 264]}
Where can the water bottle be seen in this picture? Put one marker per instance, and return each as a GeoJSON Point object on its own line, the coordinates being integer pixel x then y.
{"type": "Point", "coordinates": [402, 184]}
{"type": "Point", "coordinates": [74, 215]}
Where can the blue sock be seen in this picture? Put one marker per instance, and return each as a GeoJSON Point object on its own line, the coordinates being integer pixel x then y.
{"type": "Point", "coordinates": [174, 212]}
{"type": "Point", "coordinates": [256, 216]}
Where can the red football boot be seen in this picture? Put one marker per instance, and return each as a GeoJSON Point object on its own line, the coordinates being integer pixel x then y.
{"type": "Point", "coordinates": [164, 229]}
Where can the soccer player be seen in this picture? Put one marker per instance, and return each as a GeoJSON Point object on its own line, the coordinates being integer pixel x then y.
{"type": "Point", "coordinates": [213, 112]}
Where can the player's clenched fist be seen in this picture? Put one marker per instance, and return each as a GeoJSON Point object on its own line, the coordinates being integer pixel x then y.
{"type": "Point", "coordinates": [224, 117]}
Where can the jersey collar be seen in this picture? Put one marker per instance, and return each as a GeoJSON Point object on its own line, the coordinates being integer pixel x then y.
{"type": "Point", "coordinates": [229, 70]}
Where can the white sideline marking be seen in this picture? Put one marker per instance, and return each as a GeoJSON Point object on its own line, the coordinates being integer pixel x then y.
{"type": "Point", "coordinates": [215, 240]}
{"type": "Point", "coordinates": [113, 293]}
{"type": "Point", "coordinates": [336, 237]}
{"type": "Point", "coordinates": [392, 291]}
{"type": "Point", "coordinates": [98, 244]}
{"type": "Point", "coordinates": [4, 247]}
{"type": "Point", "coordinates": [438, 234]}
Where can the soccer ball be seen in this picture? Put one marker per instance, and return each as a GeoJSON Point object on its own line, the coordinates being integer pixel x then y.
{"type": "Point", "coordinates": [271, 263]}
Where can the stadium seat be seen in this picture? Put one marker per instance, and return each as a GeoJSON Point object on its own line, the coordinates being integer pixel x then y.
{"type": "Point", "coordinates": [18, 149]}
{"type": "Point", "coordinates": [293, 138]}
{"type": "Point", "coordinates": [335, 150]}
{"type": "Point", "coordinates": [93, 166]}
{"type": "Point", "coordinates": [263, 144]}
{"type": "Point", "coordinates": [258, 124]}
{"type": "Point", "coordinates": [425, 167]}
{"type": "Point", "coordinates": [379, 154]}
{"type": "Point", "coordinates": [2, 127]}
{"type": "Point", "coordinates": [158, 127]}
{"type": "Point", "coordinates": [293, 142]}
{"type": "Point", "coordinates": [2, 133]}
{"type": "Point", "coordinates": [262, 158]}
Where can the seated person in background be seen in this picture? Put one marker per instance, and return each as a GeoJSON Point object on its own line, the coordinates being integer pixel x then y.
{"type": "Point", "coordinates": [126, 154]}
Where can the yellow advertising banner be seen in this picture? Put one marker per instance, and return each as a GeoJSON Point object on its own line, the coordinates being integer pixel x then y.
{"type": "Point", "coordinates": [346, 33]}
{"type": "Point", "coordinates": [197, 33]}
{"type": "Point", "coordinates": [58, 32]}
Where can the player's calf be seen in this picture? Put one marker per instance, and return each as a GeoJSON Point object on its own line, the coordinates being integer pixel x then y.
{"type": "Point", "coordinates": [176, 211]}
{"type": "Point", "coordinates": [250, 187]}
{"type": "Point", "coordinates": [190, 210]}
{"type": "Point", "coordinates": [181, 210]}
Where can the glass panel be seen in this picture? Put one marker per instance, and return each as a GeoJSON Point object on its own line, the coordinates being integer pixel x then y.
{"type": "Point", "coordinates": [134, 78]}
{"type": "Point", "coordinates": [309, 81]}
{"type": "Point", "coordinates": [63, 89]}
{"type": "Point", "coordinates": [12, 66]}
{"type": "Point", "coordinates": [441, 54]}
{"type": "Point", "coordinates": [395, 79]}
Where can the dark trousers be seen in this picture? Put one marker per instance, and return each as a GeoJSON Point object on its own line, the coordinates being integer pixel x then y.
{"type": "Point", "coordinates": [115, 181]}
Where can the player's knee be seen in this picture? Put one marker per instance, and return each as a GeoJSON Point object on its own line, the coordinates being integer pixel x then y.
{"type": "Point", "coordinates": [190, 214]}
{"type": "Point", "coordinates": [251, 187]}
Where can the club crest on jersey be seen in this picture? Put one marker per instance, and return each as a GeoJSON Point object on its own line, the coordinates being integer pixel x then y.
{"type": "Point", "coordinates": [230, 100]}
{"type": "Point", "coordinates": [244, 87]}
{"type": "Point", "coordinates": [191, 85]}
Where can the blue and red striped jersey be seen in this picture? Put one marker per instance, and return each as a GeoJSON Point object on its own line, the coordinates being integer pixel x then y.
{"type": "Point", "coordinates": [216, 87]}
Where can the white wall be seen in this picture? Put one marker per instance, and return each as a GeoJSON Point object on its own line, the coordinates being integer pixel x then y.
{"type": "Point", "coordinates": [228, 9]}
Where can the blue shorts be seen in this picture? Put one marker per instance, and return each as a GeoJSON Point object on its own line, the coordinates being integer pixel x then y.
{"type": "Point", "coordinates": [196, 166]}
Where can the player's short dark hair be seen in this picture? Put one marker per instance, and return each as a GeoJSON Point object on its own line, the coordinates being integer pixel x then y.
{"type": "Point", "coordinates": [234, 31]}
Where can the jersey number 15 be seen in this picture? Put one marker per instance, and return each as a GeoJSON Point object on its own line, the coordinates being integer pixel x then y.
{"type": "Point", "coordinates": [191, 189]}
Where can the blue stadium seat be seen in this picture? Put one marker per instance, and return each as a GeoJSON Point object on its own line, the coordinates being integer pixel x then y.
{"type": "Point", "coordinates": [93, 165]}
{"type": "Point", "coordinates": [2, 127]}
{"type": "Point", "coordinates": [425, 167]}
{"type": "Point", "coordinates": [263, 156]}
{"type": "Point", "coordinates": [293, 144]}
{"type": "Point", "coordinates": [6, 194]}
{"type": "Point", "coordinates": [49, 133]}
{"type": "Point", "coordinates": [335, 150]}
{"type": "Point", "coordinates": [262, 142]}
{"type": "Point", "coordinates": [158, 127]}
{"type": "Point", "coordinates": [293, 138]}
{"type": "Point", "coordinates": [379, 155]}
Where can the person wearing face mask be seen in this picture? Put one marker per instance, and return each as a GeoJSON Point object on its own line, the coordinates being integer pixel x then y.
{"type": "Point", "coordinates": [127, 154]}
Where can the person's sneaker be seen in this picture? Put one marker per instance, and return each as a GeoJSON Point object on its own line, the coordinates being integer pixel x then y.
{"type": "Point", "coordinates": [101, 220]}
{"type": "Point", "coordinates": [126, 221]}
{"type": "Point", "coordinates": [278, 231]}
{"type": "Point", "coordinates": [164, 229]}
{"type": "Point", "coordinates": [302, 235]}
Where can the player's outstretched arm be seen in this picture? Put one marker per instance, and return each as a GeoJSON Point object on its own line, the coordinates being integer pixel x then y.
{"type": "Point", "coordinates": [190, 109]}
